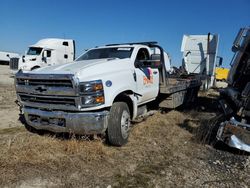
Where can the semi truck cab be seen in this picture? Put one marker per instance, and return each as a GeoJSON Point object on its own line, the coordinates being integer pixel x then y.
{"type": "Point", "coordinates": [46, 52]}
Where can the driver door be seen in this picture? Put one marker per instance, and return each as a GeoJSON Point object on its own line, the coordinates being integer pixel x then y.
{"type": "Point", "coordinates": [147, 78]}
{"type": "Point", "coordinates": [47, 57]}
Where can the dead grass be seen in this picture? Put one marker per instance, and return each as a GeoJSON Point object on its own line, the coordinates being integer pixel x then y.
{"type": "Point", "coordinates": [25, 155]}
{"type": "Point", "coordinates": [12, 130]}
{"type": "Point", "coordinates": [161, 152]}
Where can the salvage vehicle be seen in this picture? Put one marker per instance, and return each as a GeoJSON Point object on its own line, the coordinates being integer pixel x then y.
{"type": "Point", "coordinates": [234, 130]}
{"type": "Point", "coordinates": [45, 52]}
{"type": "Point", "coordinates": [102, 91]}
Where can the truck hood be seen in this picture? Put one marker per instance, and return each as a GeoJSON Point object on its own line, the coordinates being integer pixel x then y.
{"type": "Point", "coordinates": [78, 67]}
{"type": "Point", "coordinates": [30, 57]}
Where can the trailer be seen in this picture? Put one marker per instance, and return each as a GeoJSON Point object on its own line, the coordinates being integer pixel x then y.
{"type": "Point", "coordinates": [6, 56]}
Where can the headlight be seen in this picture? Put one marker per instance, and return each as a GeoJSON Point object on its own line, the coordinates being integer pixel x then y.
{"type": "Point", "coordinates": [92, 100]}
{"type": "Point", "coordinates": [90, 87]}
{"type": "Point", "coordinates": [91, 93]}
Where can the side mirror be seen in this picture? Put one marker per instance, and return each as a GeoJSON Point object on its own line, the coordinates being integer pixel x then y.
{"type": "Point", "coordinates": [44, 59]}
{"type": "Point", "coordinates": [154, 62]}
{"type": "Point", "coordinates": [147, 63]}
{"type": "Point", "coordinates": [8, 55]}
{"type": "Point", "coordinates": [156, 57]}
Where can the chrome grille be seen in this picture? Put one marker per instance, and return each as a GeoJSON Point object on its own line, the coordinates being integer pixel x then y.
{"type": "Point", "coordinates": [45, 82]}
{"type": "Point", "coordinates": [14, 63]}
{"type": "Point", "coordinates": [47, 91]}
{"type": "Point", "coordinates": [47, 100]}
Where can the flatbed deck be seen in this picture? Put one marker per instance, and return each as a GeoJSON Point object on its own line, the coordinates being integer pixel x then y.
{"type": "Point", "coordinates": [174, 85]}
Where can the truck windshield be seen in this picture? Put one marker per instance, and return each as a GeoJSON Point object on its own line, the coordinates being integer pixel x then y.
{"type": "Point", "coordinates": [34, 51]}
{"type": "Point", "coordinates": [104, 53]}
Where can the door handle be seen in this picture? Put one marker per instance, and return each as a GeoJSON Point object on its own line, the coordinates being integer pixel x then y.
{"type": "Point", "coordinates": [155, 72]}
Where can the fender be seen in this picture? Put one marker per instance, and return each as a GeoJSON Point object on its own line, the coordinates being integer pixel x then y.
{"type": "Point", "coordinates": [133, 97]}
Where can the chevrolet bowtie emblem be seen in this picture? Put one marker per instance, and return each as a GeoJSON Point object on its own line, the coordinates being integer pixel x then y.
{"type": "Point", "coordinates": [41, 89]}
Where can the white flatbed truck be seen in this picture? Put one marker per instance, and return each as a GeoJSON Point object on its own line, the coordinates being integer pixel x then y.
{"type": "Point", "coordinates": [102, 91]}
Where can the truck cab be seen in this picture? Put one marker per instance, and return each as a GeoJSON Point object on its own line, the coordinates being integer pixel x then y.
{"type": "Point", "coordinates": [46, 52]}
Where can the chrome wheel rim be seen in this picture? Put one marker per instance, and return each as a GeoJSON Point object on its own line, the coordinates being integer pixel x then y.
{"type": "Point", "coordinates": [125, 124]}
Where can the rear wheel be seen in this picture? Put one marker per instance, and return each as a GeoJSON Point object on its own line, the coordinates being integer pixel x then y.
{"type": "Point", "coordinates": [118, 124]}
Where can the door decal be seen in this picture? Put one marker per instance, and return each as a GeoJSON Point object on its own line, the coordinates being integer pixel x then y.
{"type": "Point", "coordinates": [148, 78]}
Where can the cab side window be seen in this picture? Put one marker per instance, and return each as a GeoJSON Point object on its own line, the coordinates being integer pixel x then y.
{"type": "Point", "coordinates": [142, 54]}
{"type": "Point", "coordinates": [48, 53]}
{"type": "Point", "coordinates": [65, 43]}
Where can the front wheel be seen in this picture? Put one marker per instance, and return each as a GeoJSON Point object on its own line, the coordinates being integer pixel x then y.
{"type": "Point", "coordinates": [118, 124]}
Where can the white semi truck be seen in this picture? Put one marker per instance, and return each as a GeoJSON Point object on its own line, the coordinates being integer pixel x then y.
{"type": "Point", "coordinates": [45, 52]}
{"type": "Point", "coordinates": [102, 91]}
{"type": "Point", "coordinates": [200, 56]}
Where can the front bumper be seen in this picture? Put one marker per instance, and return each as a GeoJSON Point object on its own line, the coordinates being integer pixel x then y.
{"type": "Point", "coordinates": [67, 122]}
{"type": "Point", "coordinates": [235, 134]}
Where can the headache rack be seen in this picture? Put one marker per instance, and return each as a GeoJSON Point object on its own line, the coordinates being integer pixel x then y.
{"type": "Point", "coordinates": [133, 43]}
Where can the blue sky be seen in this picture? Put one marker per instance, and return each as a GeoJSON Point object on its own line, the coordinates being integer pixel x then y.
{"type": "Point", "coordinates": [97, 22]}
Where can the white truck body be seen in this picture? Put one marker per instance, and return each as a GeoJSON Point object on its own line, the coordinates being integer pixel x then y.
{"type": "Point", "coordinates": [5, 56]}
{"type": "Point", "coordinates": [45, 52]}
{"type": "Point", "coordinates": [100, 91]}
{"type": "Point", "coordinates": [199, 56]}
{"type": "Point", "coordinates": [114, 70]}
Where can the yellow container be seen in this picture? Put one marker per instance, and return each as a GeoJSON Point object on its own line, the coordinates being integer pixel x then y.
{"type": "Point", "coordinates": [221, 73]}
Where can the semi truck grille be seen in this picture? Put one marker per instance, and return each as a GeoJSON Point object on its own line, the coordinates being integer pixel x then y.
{"type": "Point", "coordinates": [14, 63]}
{"type": "Point", "coordinates": [44, 82]}
{"type": "Point", "coordinates": [47, 100]}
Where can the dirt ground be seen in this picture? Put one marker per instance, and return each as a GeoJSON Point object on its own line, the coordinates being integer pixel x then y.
{"type": "Point", "coordinates": [163, 151]}
{"type": "Point", "coordinates": [8, 107]}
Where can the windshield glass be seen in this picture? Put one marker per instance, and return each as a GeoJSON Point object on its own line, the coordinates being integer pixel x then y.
{"type": "Point", "coordinates": [34, 51]}
{"type": "Point", "coordinates": [104, 53]}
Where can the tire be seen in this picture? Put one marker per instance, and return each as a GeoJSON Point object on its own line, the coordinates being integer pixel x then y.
{"type": "Point", "coordinates": [118, 124]}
